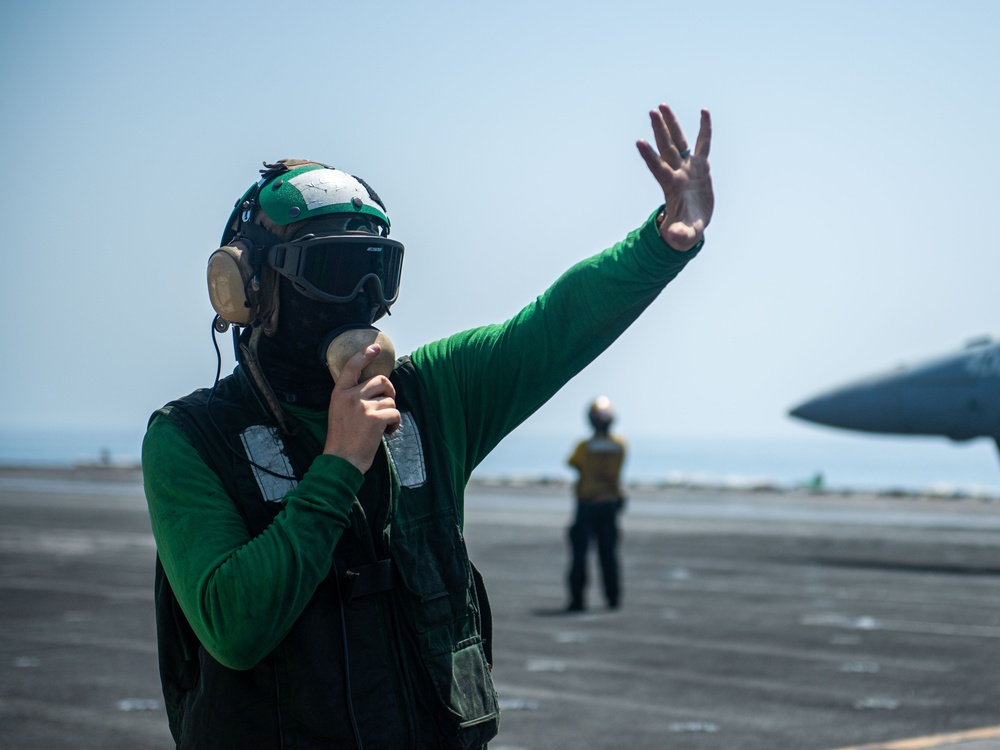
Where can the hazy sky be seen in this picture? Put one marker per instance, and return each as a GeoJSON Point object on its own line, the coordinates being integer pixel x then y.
{"type": "Point", "coordinates": [855, 161]}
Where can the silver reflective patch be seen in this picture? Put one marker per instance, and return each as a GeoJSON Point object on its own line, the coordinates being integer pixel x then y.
{"type": "Point", "coordinates": [603, 445]}
{"type": "Point", "coordinates": [265, 448]}
{"type": "Point", "coordinates": [407, 452]}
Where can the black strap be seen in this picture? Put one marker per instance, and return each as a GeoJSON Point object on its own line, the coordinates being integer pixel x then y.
{"type": "Point", "coordinates": [259, 240]}
{"type": "Point", "coordinates": [368, 579]}
{"type": "Point", "coordinates": [485, 615]}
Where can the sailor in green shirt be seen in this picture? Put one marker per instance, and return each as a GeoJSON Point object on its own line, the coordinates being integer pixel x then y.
{"type": "Point", "coordinates": [313, 587]}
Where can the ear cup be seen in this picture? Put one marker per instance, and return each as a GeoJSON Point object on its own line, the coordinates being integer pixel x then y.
{"type": "Point", "coordinates": [227, 285]}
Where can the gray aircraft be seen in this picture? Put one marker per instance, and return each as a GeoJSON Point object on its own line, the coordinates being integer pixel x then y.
{"type": "Point", "coordinates": [956, 395]}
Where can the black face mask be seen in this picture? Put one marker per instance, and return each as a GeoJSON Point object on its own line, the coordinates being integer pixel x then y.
{"type": "Point", "coordinates": [290, 358]}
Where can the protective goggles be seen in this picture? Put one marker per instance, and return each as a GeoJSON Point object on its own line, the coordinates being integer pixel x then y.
{"type": "Point", "coordinates": [335, 268]}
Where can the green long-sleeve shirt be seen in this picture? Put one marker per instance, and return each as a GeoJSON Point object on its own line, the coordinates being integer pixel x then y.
{"type": "Point", "coordinates": [241, 595]}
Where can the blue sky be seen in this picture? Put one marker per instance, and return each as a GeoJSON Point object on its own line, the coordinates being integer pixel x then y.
{"type": "Point", "coordinates": [855, 162]}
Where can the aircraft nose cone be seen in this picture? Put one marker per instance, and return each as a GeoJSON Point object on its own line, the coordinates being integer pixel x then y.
{"type": "Point", "coordinates": [870, 407]}
{"type": "Point", "coordinates": [957, 396]}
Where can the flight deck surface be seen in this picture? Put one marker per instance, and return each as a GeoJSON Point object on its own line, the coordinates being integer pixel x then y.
{"type": "Point", "coordinates": [751, 620]}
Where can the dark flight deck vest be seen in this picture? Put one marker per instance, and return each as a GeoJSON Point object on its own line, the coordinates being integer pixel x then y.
{"type": "Point", "coordinates": [404, 661]}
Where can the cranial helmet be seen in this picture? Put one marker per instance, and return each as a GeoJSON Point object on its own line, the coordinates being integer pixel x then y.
{"type": "Point", "coordinates": [323, 229]}
{"type": "Point", "coordinates": [601, 413]}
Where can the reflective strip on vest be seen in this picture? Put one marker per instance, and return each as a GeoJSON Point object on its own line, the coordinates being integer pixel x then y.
{"type": "Point", "coordinates": [407, 451]}
{"type": "Point", "coordinates": [265, 449]}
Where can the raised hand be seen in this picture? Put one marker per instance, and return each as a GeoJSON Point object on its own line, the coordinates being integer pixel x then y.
{"type": "Point", "coordinates": [683, 175]}
{"type": "Point", "coordinates": [360, 413]}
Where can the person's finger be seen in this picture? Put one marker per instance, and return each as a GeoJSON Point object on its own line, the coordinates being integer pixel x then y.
{"type": "Point", "coordinates": [704, 143]}
{"type": "Point", "coordinates": [392, 420]}
{"type": "Point", "coordinates": [659, 170]}
{"type": "Point", "coordinates": [674, 128]}
{"type": "Point", "coordinates": [376, 388]}
{"type": "Point", "coordinates": [383, 408]}
{"type": "Point", "coordinates": [648, 154]}
{"type": "Point", "coordinates": [351, 372]}
{"type": "Point", "coordinates": [663, 143]}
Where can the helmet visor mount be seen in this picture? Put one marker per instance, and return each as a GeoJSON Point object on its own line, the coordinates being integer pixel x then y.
{"type": "Point", "coordinates": [335, 268]}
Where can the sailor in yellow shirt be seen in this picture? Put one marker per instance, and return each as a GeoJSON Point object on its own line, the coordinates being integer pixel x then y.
{"type": "Point", "coordinates": [599, 498]}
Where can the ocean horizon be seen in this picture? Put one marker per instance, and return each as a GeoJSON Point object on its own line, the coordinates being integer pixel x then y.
{"type": "Point", "coordinates": [831, 461]}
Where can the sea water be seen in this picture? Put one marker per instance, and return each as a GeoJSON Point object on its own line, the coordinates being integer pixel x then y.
{"type": "Point", "coordinates": [831, 461]}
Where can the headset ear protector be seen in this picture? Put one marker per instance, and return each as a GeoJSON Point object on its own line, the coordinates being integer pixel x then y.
{"type": "Point", "coordinates": [234, 270]}
{"type": "Point", "coordinates": [232, 283]}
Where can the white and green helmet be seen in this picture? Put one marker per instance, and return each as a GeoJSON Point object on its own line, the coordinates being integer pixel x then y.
{"type": "Point", "coordinates": [305, 192]}
{"type": "Point", "coordinates": [292, 190]}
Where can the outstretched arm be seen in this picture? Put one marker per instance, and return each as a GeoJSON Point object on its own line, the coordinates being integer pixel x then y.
{"type": "Point", "coordinates": [684, 177]}
{"type": "Point", "coordinates": [487, 380]}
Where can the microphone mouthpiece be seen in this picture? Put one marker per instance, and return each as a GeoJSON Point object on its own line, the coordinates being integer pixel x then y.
{"type": "Point", "coordinates": [344, 345]}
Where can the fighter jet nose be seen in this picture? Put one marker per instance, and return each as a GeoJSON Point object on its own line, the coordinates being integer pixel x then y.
{"type": "Point", "coordinates": [870, 407]}
{"type": "Point", "coordinates": [957, 396]}
{"type": "Point", "coordinates": [816, 410]}
{"type": "Point", "coordinates": [808, 411]}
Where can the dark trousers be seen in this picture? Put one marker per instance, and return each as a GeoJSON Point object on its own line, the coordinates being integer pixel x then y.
{"type": "Point", "coordinates": [598, 519]}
